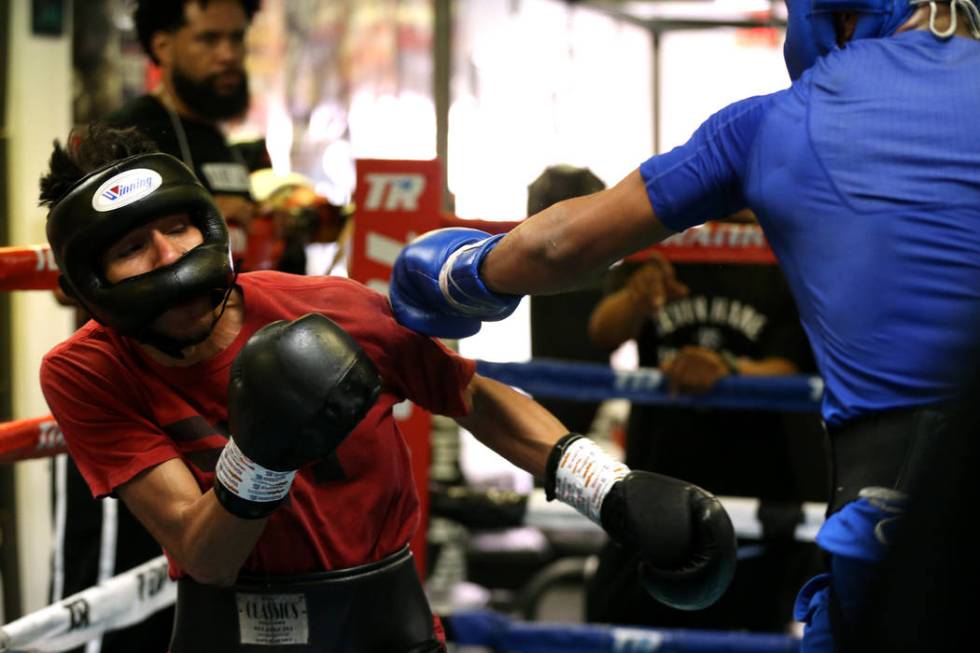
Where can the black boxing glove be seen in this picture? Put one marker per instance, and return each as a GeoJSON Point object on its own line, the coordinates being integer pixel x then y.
{"type": "Point", "coordinates": [683, 534]}
{"type": "Point", "coordinates": [297, 389]}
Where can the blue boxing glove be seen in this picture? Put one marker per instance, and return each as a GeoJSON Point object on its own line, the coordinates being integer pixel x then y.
{"type": "Point", "coordinates": [436, 287]}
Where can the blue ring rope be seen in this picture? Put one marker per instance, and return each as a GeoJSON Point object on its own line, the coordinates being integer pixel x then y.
{"type": "Point", "coordinates": [595, 382]}
{"type": "Point", "coordinates": [500, 633]}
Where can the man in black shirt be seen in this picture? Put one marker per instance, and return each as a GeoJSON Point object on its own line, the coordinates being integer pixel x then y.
{"type": "Point", "coordinates": [699, 325]}
{"type": "Point", "coordinates": [199, 46]}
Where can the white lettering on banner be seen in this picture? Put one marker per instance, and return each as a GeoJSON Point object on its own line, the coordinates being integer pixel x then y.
{"type": "Point", "coordinates": [273, 619]}
{"type": "Point", "coordinates": [393, 192]}
{"type": "Point", "coordinates": [383, 249]}
{"type": "Point", "coordinates": [744, 235]}
{"type": "Point", "coordinates": [44, 259]}
{"type": "Point", "coordinates": [634, 640]}
{"type": "Point", "coordinates": [719, 235]}
{"type": "Point", "coordinates": [49, 436]}
{"type": "Point", "coordinates": [640, 380]}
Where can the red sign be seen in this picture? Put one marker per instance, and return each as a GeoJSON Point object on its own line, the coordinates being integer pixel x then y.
{"type": "Point", "coordinates": [395, 202]}
{"type": "Point", "coordinates": [714, 242]}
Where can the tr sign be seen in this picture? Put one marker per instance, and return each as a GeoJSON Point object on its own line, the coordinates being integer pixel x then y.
{"type": "Point", "coordinates": [395, 202]}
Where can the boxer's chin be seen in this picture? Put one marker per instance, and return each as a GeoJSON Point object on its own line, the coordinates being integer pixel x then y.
{"type": "Point", "coordinates": [188, 324]}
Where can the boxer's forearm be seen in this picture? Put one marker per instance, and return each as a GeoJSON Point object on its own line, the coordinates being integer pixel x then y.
{"type": "Point", "coordinates": [616, 319]}
{"type": "Point", "coordinates": [203, 538]}
{"type": "Point", "coordinates": [513, 425]}
{"type": "Point", "coordinates": [574, 240]}
{"type": "Point", "coordinates": [213, 543]}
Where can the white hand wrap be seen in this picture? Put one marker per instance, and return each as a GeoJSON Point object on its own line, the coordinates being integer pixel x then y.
{"type": "Point", "coordinates": [249, 480]}
{"type": "Point", "coordinates": [585, 474]}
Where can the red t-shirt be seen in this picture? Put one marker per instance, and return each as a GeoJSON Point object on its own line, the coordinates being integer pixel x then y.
{"type": "Point", "coordinates": [122, 413]}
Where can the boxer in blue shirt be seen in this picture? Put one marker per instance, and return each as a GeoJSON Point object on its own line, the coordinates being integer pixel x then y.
{"type": "Point", "coordinates": [865, 176]}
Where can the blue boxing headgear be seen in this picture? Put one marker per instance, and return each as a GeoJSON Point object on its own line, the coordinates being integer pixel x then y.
{"type": "Point", "coordinates": [810, 31]}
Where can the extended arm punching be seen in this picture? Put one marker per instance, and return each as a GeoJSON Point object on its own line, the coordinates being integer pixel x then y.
{"type": "Point", "coordinates": [573, 241]}
{"type": "Point", "coordinates": [682, 532]}
{"type": "Point", "coordinates": [450, 280]}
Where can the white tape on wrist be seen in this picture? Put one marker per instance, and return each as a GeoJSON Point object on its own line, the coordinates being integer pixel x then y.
{"type": "Point", "coordinates": [585, 474]}
{"type": "Point", "coordinates": [250, 480]}
{"type": "Point", "coordinates": [446, 279]}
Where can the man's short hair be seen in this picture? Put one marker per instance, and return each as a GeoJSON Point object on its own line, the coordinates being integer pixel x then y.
{"type": "Point", "coordinates": [86, 150]}
{"type": "Point", "coordinates": [152, 16]}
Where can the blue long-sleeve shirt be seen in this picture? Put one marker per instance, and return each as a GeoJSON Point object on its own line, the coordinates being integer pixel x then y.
{"type": "Point", "coordinates": [865, 176]}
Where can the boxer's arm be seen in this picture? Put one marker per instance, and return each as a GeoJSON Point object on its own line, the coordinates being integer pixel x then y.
{"type": "Point", "coordinates": [203, 538]}
{"type": "Point", "coordinates": [682, 532]}
{"type": "Point", "coordinates": [574, 240]}
{"type": "Point", "coordinates": [514, 425]}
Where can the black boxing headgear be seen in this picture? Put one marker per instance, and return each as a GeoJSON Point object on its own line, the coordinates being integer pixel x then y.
{"type": "Point", "coordinates": [110, 202]}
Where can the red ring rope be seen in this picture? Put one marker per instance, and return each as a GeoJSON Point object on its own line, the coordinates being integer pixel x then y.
{"type": "Point", "coordinates": [23, 439]}
{"type": "Point", "coordinates": [27, 268]}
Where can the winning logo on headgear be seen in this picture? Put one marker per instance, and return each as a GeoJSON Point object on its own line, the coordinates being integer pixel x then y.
{"type": "Point", "coordinates": [125, 188]}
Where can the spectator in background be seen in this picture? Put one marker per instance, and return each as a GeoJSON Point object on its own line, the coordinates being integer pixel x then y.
{"type": "Point", "coordinates": [199, 46]}
{"type": "Point", "coordinates": [699, 325]}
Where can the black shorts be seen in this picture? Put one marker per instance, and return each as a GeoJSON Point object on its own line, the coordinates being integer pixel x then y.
{"type": "Point", "coordinates": [374, 608]}
{"type": "Point", "coordinates": [887, 449]}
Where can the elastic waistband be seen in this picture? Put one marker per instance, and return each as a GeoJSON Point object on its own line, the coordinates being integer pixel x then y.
{"type": "Point", "coordinates": [902, 418]}
{"type": "Point", "coordinates": [252, 583]}
{"type": "Point", "coordinates": [888, 450]}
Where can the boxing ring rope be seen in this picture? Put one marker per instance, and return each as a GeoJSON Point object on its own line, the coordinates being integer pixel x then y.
{"type": "Point", "coordinates": [500, 633]}
{"type": "Point", "coordinates": [136, 594]}
{"type": "Point", "coordinates": [596, 382]}
{"type": "Point", "coordinates": [27, 268]}
{"type": "Point", "coordinates": [35, 437]}
{"type": "Point", "coordinates": [33, 267]}
{"type": "Point", "coordinates": [40, 437]}
{"type": "Point", "coordinates": [125, 599]}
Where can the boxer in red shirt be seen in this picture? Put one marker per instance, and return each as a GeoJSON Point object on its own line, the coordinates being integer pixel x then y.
{"type": "Point", "coordinates": [247, 422]}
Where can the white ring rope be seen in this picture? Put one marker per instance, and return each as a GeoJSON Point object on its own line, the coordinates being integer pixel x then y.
{"type": "Point", "coordinates": [134, 595]}
{"type": "Point", "coordinates": [125, 599]}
